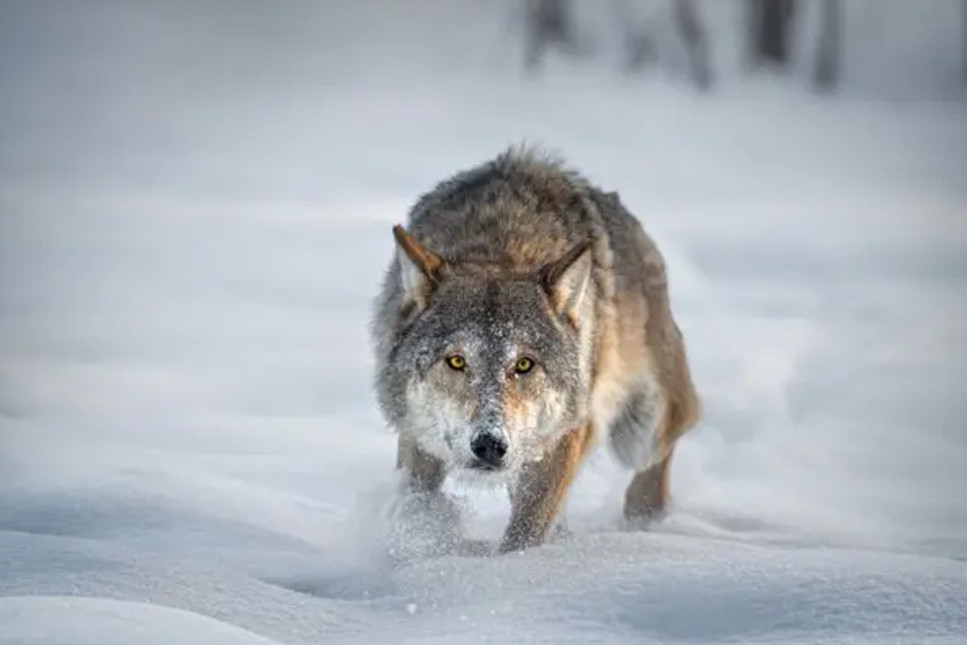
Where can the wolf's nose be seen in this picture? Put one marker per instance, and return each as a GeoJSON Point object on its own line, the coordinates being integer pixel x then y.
{"type": "Point", "coordinates": [488, 448]}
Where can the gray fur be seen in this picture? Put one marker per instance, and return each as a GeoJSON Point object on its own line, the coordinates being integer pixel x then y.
{"type": "Point", "coordinates": [496, 227]}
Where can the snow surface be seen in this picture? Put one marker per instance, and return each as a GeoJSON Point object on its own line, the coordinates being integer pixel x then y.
{"type": "Point", "coordinates": [195, 212]}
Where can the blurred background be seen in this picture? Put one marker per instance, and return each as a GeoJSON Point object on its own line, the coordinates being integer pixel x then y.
{"type": "Point", "coordinates": [195, 210]}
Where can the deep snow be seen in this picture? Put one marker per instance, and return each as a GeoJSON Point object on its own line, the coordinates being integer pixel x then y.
{"type": "Point", "coordinates": [195, 212]}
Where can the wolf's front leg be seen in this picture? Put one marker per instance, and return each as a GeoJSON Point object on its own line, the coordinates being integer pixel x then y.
{"type": "Point", "coordinates": [541, 490]}
{"type": "Point", "coordinates": [422, 483]}
{"type": "Point", "coordinates": [426, 521]}
{"type": "Point", "coordinates": [423, 472]}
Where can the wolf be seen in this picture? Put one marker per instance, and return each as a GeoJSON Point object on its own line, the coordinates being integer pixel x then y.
{"type": "Point", "coordinates": [523, 320]}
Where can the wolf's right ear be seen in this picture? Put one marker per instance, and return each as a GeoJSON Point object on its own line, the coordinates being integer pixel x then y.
{"type": "Point", "coordinates": [420, 268]}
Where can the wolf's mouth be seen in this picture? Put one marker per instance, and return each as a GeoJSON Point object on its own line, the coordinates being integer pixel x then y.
{"type": "Point", "coordinates": [482, 466]}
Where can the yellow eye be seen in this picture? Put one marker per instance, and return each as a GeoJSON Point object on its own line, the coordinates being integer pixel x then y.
{"type": "Point", "coordinates": [523, 365]}
{"type": "Point", "coordinates": [456, 362]}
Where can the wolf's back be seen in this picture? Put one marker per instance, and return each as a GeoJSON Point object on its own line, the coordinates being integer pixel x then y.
{"type": "Point", "coordinates": [523, 209]}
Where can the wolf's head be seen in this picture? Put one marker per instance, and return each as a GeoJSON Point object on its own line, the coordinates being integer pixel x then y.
{"type": "Point", "coordinates": [487, 369]}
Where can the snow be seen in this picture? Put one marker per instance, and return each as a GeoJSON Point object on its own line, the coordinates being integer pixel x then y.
{"type": "Point", "coordinates": [195, 212]}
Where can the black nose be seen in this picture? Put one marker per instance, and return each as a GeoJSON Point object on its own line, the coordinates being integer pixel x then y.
{"type": "Point", "coordinates": [488, 448]}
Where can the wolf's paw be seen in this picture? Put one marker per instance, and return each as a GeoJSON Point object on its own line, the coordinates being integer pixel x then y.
{"type": "Point", "coordinates": [476, 548]}
{"type": "Point", "coordinates": [642, 521]}
{"type": "Point", "coordinates": [425, 524]}
{"type": "Point", "coordinates": [560, 532]}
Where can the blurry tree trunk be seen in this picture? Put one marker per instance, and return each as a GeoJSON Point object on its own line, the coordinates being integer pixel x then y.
{"type": "Point", "coordinates": [965, 40]}
{"type": "Point", "coordinates": [547, 22]}
{"type": "Point", "coordinates": [696, 41]}
{"type": "Point", "coordinates": [769, 28]}
{"type": "Point", "coordinates": [829, 53]}
{"type": "Point", "coordinates": [640, 47]}
{"type": "Point", "coordinates": [639, 42]}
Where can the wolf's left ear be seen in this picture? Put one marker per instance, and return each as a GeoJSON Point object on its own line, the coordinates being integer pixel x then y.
{"type": "Point", "coordinates": [420, 268]}
{"type": "Point", "coordinates": [566, 279]}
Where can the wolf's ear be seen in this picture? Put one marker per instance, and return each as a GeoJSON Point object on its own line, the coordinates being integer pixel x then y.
{"type": "Point", "coordinates": [420, 268]}
{"type": "Point", "coordinates": [566, 279]}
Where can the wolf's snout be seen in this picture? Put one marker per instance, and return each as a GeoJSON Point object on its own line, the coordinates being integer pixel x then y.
{"type": "Point", "coordinates": [489, 448]}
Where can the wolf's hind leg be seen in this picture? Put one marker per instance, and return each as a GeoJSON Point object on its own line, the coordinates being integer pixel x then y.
{"type": "Point", "coordinates": [541, 491]}
{"type": "Point", "coordinates": [647, 494]}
